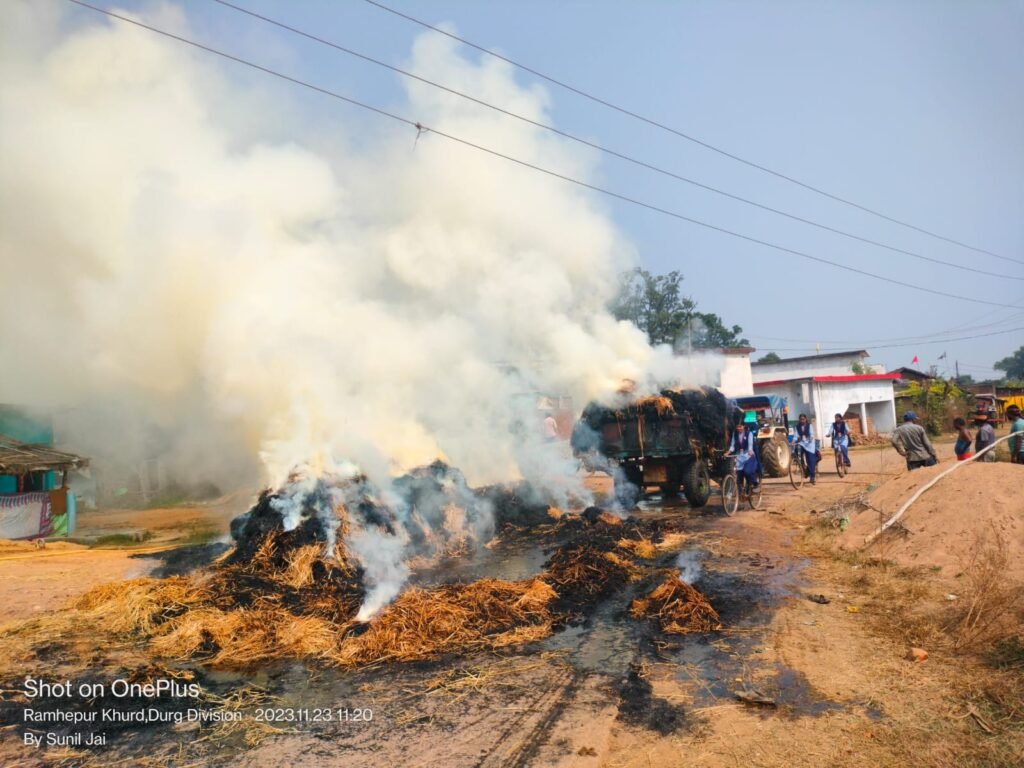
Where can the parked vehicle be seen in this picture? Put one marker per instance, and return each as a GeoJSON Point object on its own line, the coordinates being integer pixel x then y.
{"type": "Point", "coordinates": [773, 435]}
{"type": "Point", "coordinates": [673, 441]}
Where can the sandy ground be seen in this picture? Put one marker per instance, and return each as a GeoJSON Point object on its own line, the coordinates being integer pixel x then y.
{"type": "Point", "coordinates": [165, 522]}
{"type": "Point", "coordinates": [843, 694]}
{"type": "Point", "coordinates": [975, 502]}
{"type": "Point", "coordinates": [33, 580]}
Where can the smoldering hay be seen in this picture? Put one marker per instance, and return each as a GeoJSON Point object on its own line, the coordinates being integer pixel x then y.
{"type": "Point", "coordinates": [269, 280]}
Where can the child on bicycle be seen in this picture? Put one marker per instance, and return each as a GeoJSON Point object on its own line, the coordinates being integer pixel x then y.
{"type": "Point", "coordinates": [805, 442]}
{"type": "Point", "coordinates": [840, 435]}
{"type": "Point", "coordinates": [744, 447]}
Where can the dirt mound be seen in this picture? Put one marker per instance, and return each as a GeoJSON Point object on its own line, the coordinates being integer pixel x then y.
{"type": "Point", "coordinates": [977, 500]}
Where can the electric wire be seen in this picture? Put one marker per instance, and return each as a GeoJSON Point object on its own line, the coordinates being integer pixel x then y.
{"type": "Point", "coordinates": [523, 163]}
{"type": "Point", "coordinates": [891, 346]}
{"type": "Point", "coordinates": [688, 137]}
{"type": "Point", "coordinates": [959, 329]}
{"type": "Point", "coordinates": [606, 150]}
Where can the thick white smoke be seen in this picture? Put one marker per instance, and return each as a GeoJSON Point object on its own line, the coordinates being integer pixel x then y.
{"type": "Point", "coordinates": [270, 305]}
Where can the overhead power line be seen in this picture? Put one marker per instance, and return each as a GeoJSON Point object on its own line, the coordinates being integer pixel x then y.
{"type": "Point", "coordinates": [686, 136]}
{"type": "Point", "coordinates": [523, 163]}
{"type": "Point", "coordinates": [606, 150]}
{"type": "Point", "coordinates": [1014, 318]}
{"type": "Point", "coordinates": [890, 346]}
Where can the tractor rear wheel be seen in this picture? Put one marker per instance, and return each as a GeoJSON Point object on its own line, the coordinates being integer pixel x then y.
{"type": "Point", "coordinates": [696, 484]}
{"type": "Point", "coordinates": [775, 456]}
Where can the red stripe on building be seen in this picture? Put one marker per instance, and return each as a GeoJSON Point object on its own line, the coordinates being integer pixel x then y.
{"type": "Point", "coordinates": [832, 379]}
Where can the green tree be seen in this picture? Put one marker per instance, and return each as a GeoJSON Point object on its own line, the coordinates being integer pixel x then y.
{"type": "Point", "coordinates": [1012, 366]}
{"type": "Point", "coordinates": [771, 357]}
{"type": "Point", "coordinates": [709, 332]}
{"type": "Point", "coordinates": [965, 379]}
{"type": "Point", "coordinates": [656, 305]}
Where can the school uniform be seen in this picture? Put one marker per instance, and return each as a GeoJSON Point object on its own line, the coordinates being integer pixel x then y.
{"type": "Point", "coordinates": [807, 444]}
{"type": "Point", "coordinates": [744, 445]}
{"type": "Point", "coordinates": [840, 435]}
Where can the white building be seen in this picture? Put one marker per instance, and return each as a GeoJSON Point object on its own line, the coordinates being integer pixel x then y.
{"type": "Point", "coordinates": [734, 376]}
{"type": "Point", "coordinates": [821, 386]}
{"type": "Point", "coordinates": [831, 364]}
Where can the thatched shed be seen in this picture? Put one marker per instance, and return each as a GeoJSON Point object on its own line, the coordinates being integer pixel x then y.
{"type": "Point", "coordinates": [18, 458]}
{"type": "Point", "coordinates": [31, 507]}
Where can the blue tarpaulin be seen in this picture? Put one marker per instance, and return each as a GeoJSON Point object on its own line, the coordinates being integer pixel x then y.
{"type": "Point", "coordinates": [773, 402]}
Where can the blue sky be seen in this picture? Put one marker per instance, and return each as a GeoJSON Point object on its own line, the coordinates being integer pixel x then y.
{"type": "Point", "coordinates": [915, 109]}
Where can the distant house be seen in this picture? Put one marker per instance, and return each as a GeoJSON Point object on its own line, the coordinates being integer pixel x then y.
{"type": "Point", "coordinates": [909, 374]}
{"type": "Point", "coordinates": [32, 504]}
{"type": "Point", "coordinates": [821, 386]}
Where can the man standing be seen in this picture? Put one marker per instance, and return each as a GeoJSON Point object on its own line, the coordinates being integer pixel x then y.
{"type": "Point", "coordinates": [1017, 434]}
{"type": "Point", "coordinates": [550, 428]}
{"type": "Point", "coordinates": [912, 443]}
{"type": "Point", "coordinates": [985, 437]}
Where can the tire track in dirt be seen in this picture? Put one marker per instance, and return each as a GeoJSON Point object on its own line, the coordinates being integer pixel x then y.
{"type": "Point", "coordinates": [519, 740]}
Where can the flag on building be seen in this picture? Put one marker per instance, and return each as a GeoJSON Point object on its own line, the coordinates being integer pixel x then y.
{"type": "Point", "coordinates": [914, 360]}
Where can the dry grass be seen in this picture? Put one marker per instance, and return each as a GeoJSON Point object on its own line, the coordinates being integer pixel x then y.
{"type": "Point", "coordinates": [677, 607]}
{"type": "Point", "coordinates": [963, 706]}
{"type": "Point", "coordinates": [292, 602]}
{"type": "Point", "coordinates": [990, 610]}
{"type": "Point", "coordinates": [642, 548]}
{"type": "Point", "coordinates": [453, 619]}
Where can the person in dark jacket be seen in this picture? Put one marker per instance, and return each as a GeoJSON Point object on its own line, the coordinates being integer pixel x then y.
{"type": "Point", "coordinates": [912, 443]}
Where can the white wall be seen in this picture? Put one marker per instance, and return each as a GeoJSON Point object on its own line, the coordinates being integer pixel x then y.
{"type": "Point", "coordinates": [827, 398]}
{"type": "Point", "coordinates": [840, 397]}
{"type": "Point", "coordinates": [737, 379]}
{"type": "Point", "coordinates": [826, 365]}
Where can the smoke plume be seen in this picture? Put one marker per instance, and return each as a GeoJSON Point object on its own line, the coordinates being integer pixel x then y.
{"type": "Point", "coordinates": [351, 294]}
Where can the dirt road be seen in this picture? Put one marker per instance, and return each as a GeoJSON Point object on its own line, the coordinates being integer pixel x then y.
{"type": "Point", "coordinates": [825, 683]}
{"type": "Point", "coordinates": [34, 580]}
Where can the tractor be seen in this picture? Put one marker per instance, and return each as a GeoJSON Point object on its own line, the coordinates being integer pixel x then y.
{"type": "Point", "coordinates": [773, 434]}
{"type": "Point", "coordinates": [676, 440]}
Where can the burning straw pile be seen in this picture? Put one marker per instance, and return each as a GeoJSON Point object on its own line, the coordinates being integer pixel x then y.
{"type": "Point", "coordinates": [298, 583]}
{"type": "Point", "coordinates": [294, 587]}
{"type": "Point", "coordinates": [677, 607]}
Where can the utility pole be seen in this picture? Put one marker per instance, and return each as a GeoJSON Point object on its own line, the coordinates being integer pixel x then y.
{"type": "Point", "coordinates": [957, 371]}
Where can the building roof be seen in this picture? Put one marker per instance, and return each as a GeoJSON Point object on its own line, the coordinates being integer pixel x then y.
{"type": "Point", "coordinates": [912, 374]}
{"type": "Point", "coordinates": [724, 350]}
{"type": "Point", "coordinates": [17, 458]}
{"type": "Point", "coordinates": [858, 352]}
{"type": "Point", "coordinates": [833, 379]}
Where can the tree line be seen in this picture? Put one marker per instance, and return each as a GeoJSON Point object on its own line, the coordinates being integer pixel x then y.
{"type": "Point", "coordinates": [657, 306]}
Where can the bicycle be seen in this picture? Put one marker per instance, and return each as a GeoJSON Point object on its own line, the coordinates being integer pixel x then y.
{"type": "Point", "coordinates": [736, 487]}
{"type": "Point", "coordinates": [798, 471]}
{"type": "Point", "coordinates": [840, 463]}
